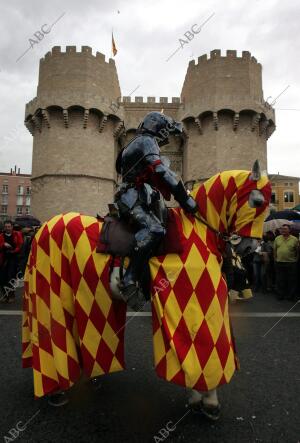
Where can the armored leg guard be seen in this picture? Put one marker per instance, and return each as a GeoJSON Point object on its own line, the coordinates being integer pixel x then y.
{"type": "Point", "coordinates": [147, 238]}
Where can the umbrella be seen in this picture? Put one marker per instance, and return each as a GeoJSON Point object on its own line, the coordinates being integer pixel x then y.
{"type": "Point", "coordinates": [27, 221]}
{"type": "Point", "coordinates": [276, 223]}
{"type": "Point", "coordinates": [287, 217]}
{"type": "Point", "coordinates": [297, 208]}
{"type": "Point", "coordinates": [287, 214]}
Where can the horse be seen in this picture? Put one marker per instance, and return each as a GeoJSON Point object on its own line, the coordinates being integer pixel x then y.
{"type": "Point", "coordinates": [72, 324]}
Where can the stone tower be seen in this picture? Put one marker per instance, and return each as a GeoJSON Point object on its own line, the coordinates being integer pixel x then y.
{"type": "Point", "coordinates": [74, 130]}
{"type": "Point", "coordinates": [227, 120]}
{"type": "Point", "coordinates": [79, 122]}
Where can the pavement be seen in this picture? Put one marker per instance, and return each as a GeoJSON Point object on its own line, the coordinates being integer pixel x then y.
{"type": "Point", "coordinates": [261, 403]}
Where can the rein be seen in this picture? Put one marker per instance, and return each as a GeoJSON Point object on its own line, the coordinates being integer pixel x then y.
{"type": "Point", "coordinates": [224, 237]}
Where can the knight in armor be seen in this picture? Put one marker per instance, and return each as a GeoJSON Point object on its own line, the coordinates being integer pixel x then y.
{"type": "Point", "coordinates": [144, 178]}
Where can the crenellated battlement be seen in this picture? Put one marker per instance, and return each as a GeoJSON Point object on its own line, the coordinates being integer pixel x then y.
{"type": "Point", "coordinates": [150, 100]}
{"type": "Point", "coordinates": [216, 54]}
{"type": "Point", "coordinates": [86, 51]}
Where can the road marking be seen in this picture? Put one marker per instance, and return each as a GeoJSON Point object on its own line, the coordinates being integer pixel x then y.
{"type": "Point", "coordinates": [10, 312]}
{"type": "Point", "coordinates": [234, 314]}
{"type": "Point", "coordinates": [285, 315]}
{"type": "Point", "coordinates": [264, 314]}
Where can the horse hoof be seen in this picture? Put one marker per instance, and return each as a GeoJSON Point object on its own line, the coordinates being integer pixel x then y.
{"type": "Point", "coordinates": [58, 399]}
{"type": "Point", "coordinates": [209, 411]}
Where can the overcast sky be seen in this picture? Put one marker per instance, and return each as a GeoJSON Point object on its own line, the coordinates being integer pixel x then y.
{"type": "Point", "coordinates": [146, 34]}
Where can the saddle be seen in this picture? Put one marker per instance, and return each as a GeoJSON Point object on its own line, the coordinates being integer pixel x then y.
{"type": "Point", "coordinates": [118, 238]}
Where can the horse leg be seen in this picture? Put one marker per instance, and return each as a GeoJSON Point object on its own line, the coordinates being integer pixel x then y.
{"type": "Point", "coordinates": [206, 403]}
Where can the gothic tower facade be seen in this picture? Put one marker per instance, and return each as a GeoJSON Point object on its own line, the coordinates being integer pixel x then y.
{"type": "Point", "coordinates": [74, 132]}
{"type": "Point", "coordinates": [79, 121]}
{"type": "Point", "coordinates": [227, 119]}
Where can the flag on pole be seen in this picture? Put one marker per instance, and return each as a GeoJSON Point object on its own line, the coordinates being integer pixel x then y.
{"type": "Point", "coordinates": [113, 45]}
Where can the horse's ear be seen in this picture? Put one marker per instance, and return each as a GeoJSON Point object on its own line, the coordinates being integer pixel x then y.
{"type": "Point", "coordinates": [255, 174]}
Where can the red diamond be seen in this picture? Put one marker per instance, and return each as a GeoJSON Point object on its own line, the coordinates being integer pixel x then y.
{"type": "Point", "coordinates": [90, 275]}
{"type": "Point", "coordinates": [97, 318]}
{"type": "Point", "coordinates": [65, 270]}
{"type": "Point", "coordinates": [201, 384]}
{"type": "Point", "coordinates": [49, 385]}
{"type": "Point", "coordinates": [81, 319]}
{"type": "Point", "coordinates": [43, 288]}
{"type": "Point", "coordinates": [117, 318]}
{"type": "Point", "coordinates": [73, 369]}
{"type": "Point", "coordinates": [161, 367]}
{"type": "Point", "coordinates": [223, 347]}
{"type": "Point", "coordinates": [214, 194]}
{"type": "Point", "coordinates": [43, 338]}
{"type": "Point", "coordinates": [104, 356]}
{"type": "Point", "coordinates": [205, 291]}
{"type": "Point", "coordinates": [155, 320]}
{"type": "Point", "coordinates": [58, 232]}
{"type": "Point", "coordinates": [230, 189]}
{"type": "Point", "coordinates": [204, 344]}
{"type": "Point", "coordinates": [63, 382]}
{"type": "Point", "coordinates": [58, 335]}
{"type": "Point", "coordinates": [179, 378]}
{"type": "Point", "coordinates": [201, 199]}
{"type": "Point", "coordinates": [43, 241]}
{"type": "Point", "coordinates": [75, 229]}
{"type": "Point", "coordinates": [93, 232]}
{"type": "Point", "coordinates": [55, 281]}
{"type": "Point", "coordinates": [75, 274]}
{"type": "Point", "coordinates": [87, 360]}
{"type": "Point", "coordinates": [182, 340]}
{"type": "Point", "coordinates": [183, 289]}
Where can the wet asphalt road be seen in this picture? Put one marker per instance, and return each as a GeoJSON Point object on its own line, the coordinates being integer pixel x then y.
{"type": "Point", "coordinates": [261, 404]}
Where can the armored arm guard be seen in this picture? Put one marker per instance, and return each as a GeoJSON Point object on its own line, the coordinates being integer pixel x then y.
{"type": "Point", "coordinates": [176, 188]}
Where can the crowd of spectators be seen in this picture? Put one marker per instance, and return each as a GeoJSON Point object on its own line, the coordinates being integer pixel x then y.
{"type": "Point", "coordinates": [15, 243]}
{"type": "Point", "coordinates": [275, 267]}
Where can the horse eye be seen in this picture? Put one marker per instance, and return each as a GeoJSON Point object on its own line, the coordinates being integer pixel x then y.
{"type": "Point", "coordinates": [256, 199]}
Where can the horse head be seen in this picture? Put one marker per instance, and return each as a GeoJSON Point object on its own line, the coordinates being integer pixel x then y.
{"type": "Point", "coordinates": [234, 203]}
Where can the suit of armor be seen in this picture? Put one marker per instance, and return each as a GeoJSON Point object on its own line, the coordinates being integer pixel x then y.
{"type": "Point", "coordinates": [144, 178]}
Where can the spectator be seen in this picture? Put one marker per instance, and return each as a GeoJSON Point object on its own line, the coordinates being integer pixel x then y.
{"type": "Point", "coordinates": [268, 270]}
{"type": "Point", "coordinates": [257, 267]}
{"type": "Point", "coordinates": [286, 252]}
{"type": "Point", "coordinates": [10, 244]}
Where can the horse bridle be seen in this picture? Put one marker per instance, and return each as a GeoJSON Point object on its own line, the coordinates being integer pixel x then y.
{"type": "Point", "coordinates": [223, 236]}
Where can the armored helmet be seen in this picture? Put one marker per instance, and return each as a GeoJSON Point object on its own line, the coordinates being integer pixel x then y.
{"type": "Point", "coordinates": [159, 125]}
